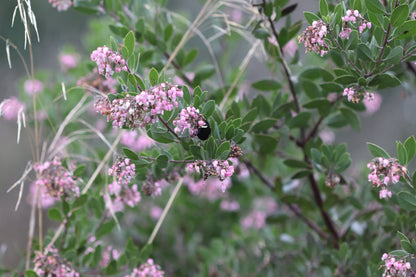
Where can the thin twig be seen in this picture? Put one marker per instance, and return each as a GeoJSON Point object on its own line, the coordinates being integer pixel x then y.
{"type": "Point", "coordinates": [165, 211]}
{"type": "Point", "coordinates": [169, 128]}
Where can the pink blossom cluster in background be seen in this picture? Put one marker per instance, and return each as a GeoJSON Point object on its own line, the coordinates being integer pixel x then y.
{"type": "Point", "coordinates": [373, 104]}
{"type": "Point", "coordinates": [262, 207]}
{"type": "Point", "coordinates": [33, 86]}
{"type": "Point", "coordinates": [313, 38]}
{"type": "Point", "coordinates": [148, 269]}
{"type": "Point", "coordinates": [61, 5]}
{"type": "Point", "coordinates": [154, 188]}
{"type": "Point", "coordinates": [108, 254]}
{"type": "Point", "coordinates": [108, 61]}
{"type": "Point", "coordinates": [209, 189]}
{"type": "Point", "coordinates": [55, 180]}
{"type": "Point", "coordinates": [122, 194]}
{"type": "Point", "coordinates": [51, 264]}
{"type": "Point", "coordinates": [396, 267]}
{"type": "Point", "coordinates": [189, 118]}
{"type": "Point", "coordinates": [353, 16]}
{"type": "Point", "coordinates": [136, 141]}
{"type": "Point", "coordinates": [383, 172]}
{"type": "Point", "coordinates": [10, 108]}
{"type": "Point", "coordinates": [142, 109]}
{"type": "Point", "coordinates": [217, 168]}
{"type": "Point", "coordinates": [68, 61]}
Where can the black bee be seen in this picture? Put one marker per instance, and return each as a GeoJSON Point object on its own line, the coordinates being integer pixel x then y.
{"type": "Point", "coordinates": [204, 131]}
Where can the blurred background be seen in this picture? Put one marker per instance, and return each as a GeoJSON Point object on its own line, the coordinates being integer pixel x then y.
{"type": "Point", "coordinates": [393, 121]}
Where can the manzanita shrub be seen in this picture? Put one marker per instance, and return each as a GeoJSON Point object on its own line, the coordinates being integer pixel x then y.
{"type": "Point", "coordinates": [156, 159]}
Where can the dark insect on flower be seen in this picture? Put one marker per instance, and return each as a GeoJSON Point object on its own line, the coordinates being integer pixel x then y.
{"type": "Point", "coordinates": [204, 131]}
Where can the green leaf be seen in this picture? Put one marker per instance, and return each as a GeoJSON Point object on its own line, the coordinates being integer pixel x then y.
{"type": "Point", "coordinates": [30, 273]}
{"type": "Point", "coordinates": [168, 32]}
{"type": "Point", "coordinates": [55, 214]}
{"type": "Point", "coordinates": [401, 153]}
{"type": "Point", "coordinates": [196, 152]}
{"type": "Point", "coordinates": [261, 33]}
{"type": "Point", "coordinates": [250, 115]}
{"type": "Point", "coordinates": [79, 170]}
{"type": "Point", "coordinates": [266, 85]}
{"type": "Point", "coordinates": [399, 15]}
{"type": "Point", "coordinates": [186, 95]}
{"type": "Point", "coordinates": [105, 228]}
{"type": "Point", "coordinates": [130, 154]}
{"type": "Point", "coordinates": [145, 252]}
{"type": "Point", "coordinates": [407, 200]}
{"type": "Point", "coordinates": [223, 150]}
{"type": "Point", "coordinates": [345, 79]}
{"type": "Point", "coordinates": [377, 151]}
{"type": "Point", "coordinates": [153, 76]}
{"type": "Point", "coordinates": [230, 132]}
{"type": "Point", "coordinates": [190, 56]}
{"type": "Point", "coordinates": [263, 125]}
{"type": "Point", "coordinates": [410, 145]}
{"type": "Point", "coordinates": [364, 52]}
{"type": "Point", "coordinates": [317, 103]}
{"type": "Point", "coordinates": [351, 117]}
{"type": "Point", "coordinates": [162, 161]}
{"type": "Point", "coordinates": [323, 7]}
{"type": "Point", "coordinates": [209, 108]}
{"type": "Point", "coordinates": [129, 42]}
{"type": "Point", "coordinates": [375, 6]}
{"type": "Point", "coordinates": [300, 120]}
{"type": "Point", "coordinates": [385, 80]}
{"type": "Point", "coordinates": [296, 163]}
{"type": "Point", "coordinates": [399, 253]}
{"type": "Point", "coordinates": [310, 17]}
{"type": "Point", "coordinates": [331, 87]}
{"type": "Point", "coordinates": [406, 30]}
{"type": "Point", "coordinates": [408, 247]}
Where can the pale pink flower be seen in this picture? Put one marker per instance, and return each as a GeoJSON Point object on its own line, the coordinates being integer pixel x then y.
{"type": "Point", "coordinates": [155, 212]}
{"type": "Point", "coordinates": [61, 5]}
{"type": "Point", "coordinates": [68, 61]}
{"type": "Point", "coordinates": [327, 136]}
{"type": "Point", "coordinates": [290, 48]}
{"type": "Point", "coordinates": [10, 108]}
{"type": "Point", "coordinates": [136, 141]}
{"type": "Point", "coordinates": [373, 104]}
{"type": "Point", "coordinates": [229, 205]}
{"type": "Point", "coordinates": [33, 86]}
{"type": "Point", "coordinates": [254, 220]}
{"type": "Point", "coordinates": [148, 269]}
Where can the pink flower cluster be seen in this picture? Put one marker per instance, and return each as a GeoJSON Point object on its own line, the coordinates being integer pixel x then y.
{"type": "Point", "coordinates": [33, 86]}
{"type": "Point", "coordinates": [353, 16]}
{"type": "Point", "coordinates": [61, 5]}
{"type": "Point", "coordinates": [56, 180]}
{"type": "Point", "coordinates": [11, 108]}
{"type": "Point", "coordinates": [51, 264]}
{"type": "Point", "coordinates": [256, 219]}
{"type": "Point", "coordinates": [135, 141]}
{"type": "Point", "coordinates": [154, 188]}
{"type": "Point", "coordinates": [396, 267]}
{"type": "Point", "coordinates": [108, 61]}
{"type": "Point", "coordinates": [208, 189]}
{"type": "Point", "coordinates": [122, 194]}
{"type": "Point", "coordinates": [107, 255]}
{"type": "Point", "coordinates": [313, 38]}
{"type": "Point", "coordinates": [218, 168]}
{"type": "Point", "coordinates": [355, 96]}
{"type": "Point", "coordinates": [384, 171]}
{"type": "Point", "coordinates": [148, 269]}
{"type": "Point", "coordinates": [189, 118]}
{"type": "Point", "coordinates": [142, 109]}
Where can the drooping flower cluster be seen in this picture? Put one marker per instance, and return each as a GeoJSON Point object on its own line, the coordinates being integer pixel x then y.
{"type": "Point", "coordinates": [217, 168]}
{"type": "Point", "coordinates": [314, 38]}
{"type": "Point", "coordinates": [56, 180]}
{"type": "Point", "coordinates": [33, 86]}
{"type": "Point", "coordinates": [136, 141]}
{"type": "Point", "coordinates": [396, 267]}
{"type": "Point", "coordinates": [384, 171]}
{"type": "Point", "coordinates": [356, 96]}
{"type": "Point", "coordinates": [11, 108]}
{"type": "Point", "coordinates": [148, 269]}
{"type": "Point", "coordinates": [354, 17]}
{"type": "Point", "coordinates": [142, 109]}
{"type": "Point", "coordinates": [51, 264]}
{"type": "Point", "coordinates": [208, 189]}
{"type": "Point", "coordinates": [124, 171]}
{"type": "Point", "coordinates": [61, 5]}
{"type": "Point", "coordinates": [108, 61]}
{"type": "Point", "coordinates": [189, 118]}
